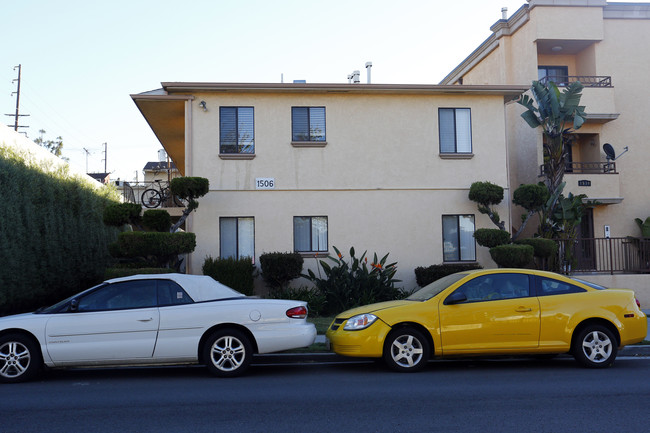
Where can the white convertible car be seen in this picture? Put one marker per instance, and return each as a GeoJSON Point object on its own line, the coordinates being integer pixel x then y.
{"type": "Point", "coordinates": [152, 319]}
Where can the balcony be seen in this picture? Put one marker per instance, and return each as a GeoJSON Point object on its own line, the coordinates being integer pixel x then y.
{"type": "Point", "coordinates": [586, 80]}
{"type": "Point", "coordinates": [597, 96]}
{"type": "Point", "coordinates": [133, 192]}
{"type": "Point", "coordinates": [599, 181]}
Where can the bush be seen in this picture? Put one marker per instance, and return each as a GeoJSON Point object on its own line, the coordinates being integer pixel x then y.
{"type": "Point", "coordinates": [190, 187]}
{"type": "Point", "coordinates": [512, 256]}
{"type": "Point", "coordinates": [127, 272]}
{"type": "Point", "coordinates": [280, 268]}
{"type": "Point", "coordinates": [157, 220]}
{"type": "Point", "coordinates": [428, 275]}
{"type": "Point", "coordinates": [531, 197]}
{"type": "Point", "coordinates": [234, 273]}
{"type": "Point", "coordinates": [158, 248]}
{"type": "Point", "coordinates": [543, 248]}
{"type": "Point", "coordinates": [491, 237]}
{"type": "Point", "coordinates": [486, 193]}
{"type": "Point", "coordinates": [314, 299]}
{"type": "Point", "coordinates": [53, 242]}
{"type": "Point", "coordinates": [118, 214]}
{"type": "Point", "coordinates": [351, 284]}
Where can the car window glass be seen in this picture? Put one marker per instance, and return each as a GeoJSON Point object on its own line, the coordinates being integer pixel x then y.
{"type": "Point", "coordinates": [493, 287]}
{"type": "Point", "coordinates": [120, 296]}
{"type": "Point", "coordinates": [548, 286]}
{"type": "Point", "coordinates": [170, 293]}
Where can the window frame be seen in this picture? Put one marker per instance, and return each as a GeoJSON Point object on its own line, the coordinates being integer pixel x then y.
{"type": "Point", "coordinates": [311, 250]}
{"type": "Point", "coordinates": [237, 247]}
{"type": "Point", "coordinates": [311, 141]}
{"type": "Point", "coordinates": [240, 147]}
{"type": "Point", "coordinates": [564, 73]}
{"type": "Point", "coordinates": [460, 259]}
{"type": "Point", "coordinates": [455, 110]}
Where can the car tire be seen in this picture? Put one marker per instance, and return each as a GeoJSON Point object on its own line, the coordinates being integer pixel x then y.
{"type": "Point", "coordinates": [20, 358]}
{"type": "Point", "coordinates": [227, 353]}
{"type": "Point", "coordinates": [595, 347]}
{"type": "Point", "coordinates": [406, 350]}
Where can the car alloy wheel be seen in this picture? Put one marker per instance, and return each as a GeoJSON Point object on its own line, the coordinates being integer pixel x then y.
{"type": "Point", "coordinates": [596, 347]}
{"type": "Point", "coordinates": [406, 350]}
{"type": "Point", "coordinates": [19, 358]}
{"type": "Point", "coordinates": [227, 353]}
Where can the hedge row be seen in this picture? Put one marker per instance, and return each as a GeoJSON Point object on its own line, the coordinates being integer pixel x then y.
{"type": "Point", "coordinates": [53, 241]}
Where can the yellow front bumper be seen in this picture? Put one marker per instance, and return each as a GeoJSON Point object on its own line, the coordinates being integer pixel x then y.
{"type": "Point", "coordinates": [367, 342]}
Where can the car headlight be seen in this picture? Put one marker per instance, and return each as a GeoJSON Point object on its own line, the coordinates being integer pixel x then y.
{"type": "Point", "coordinates": [361, 321]}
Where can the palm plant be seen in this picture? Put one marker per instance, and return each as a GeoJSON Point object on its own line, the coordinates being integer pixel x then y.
{"type": "Point", "coordinates": [559, 114]}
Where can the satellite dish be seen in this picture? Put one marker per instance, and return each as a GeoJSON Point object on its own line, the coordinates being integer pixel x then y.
{"type": "Point", "coordinates": [609, 151]}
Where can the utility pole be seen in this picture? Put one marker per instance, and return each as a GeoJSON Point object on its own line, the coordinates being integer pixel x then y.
{"type": "Point", "coordinates": [17, 93]}
{"type": "Point", "coordinates": [105, 157]}
{"type": "Point", "coordinates": [87, 153]}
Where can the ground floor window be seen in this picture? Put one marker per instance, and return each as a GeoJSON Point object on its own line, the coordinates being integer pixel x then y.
{"type": "Point", "coordinates": [237, 237]}
{"type": "Point", "coordinates": [458, 238]}
{"type": "Point", "coordinates": [310, 234]}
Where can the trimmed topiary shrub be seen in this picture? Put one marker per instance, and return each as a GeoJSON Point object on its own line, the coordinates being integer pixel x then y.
{"type": "Point", "coordinates": [159, 249]}
{"type": "Point", "coordinates": [234, 273]}
{"type": "Point", "coordinates": [486, 193]}
{"type": "Point", "coordinates": [280, 268]}
{"type": "Point", "coordinates": [428, 275]}
{"type": "Point", "coordinates": [544, 248]}
{"type": "Point", "coordinates": [157, 220]}
{"type": "Point", "coordinates": [118, 214]}
{"type": "Point", "coordinates": [512, 256]}
{"type": "Point", "coordinates": [491, 237]}
{"type": "Point", "coordinates": [190, 187]}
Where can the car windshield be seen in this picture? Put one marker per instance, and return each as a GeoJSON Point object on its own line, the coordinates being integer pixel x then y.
{"type": "Point", "coordinates": [56, 307]}
{"type": "Point", "coordinates": [592, 285]}
{"type": "Point", "coordinates": [431, 290]}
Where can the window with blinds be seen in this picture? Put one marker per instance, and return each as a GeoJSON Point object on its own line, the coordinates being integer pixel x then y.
{"type": "Point", "coordinates": [307, 123]}
{"type": "Point", "coordinates": [455, 130]}
{"type": "Point", "coordinates": [236, 130]}
{"type": "Point", "coordinates": [310, 234]}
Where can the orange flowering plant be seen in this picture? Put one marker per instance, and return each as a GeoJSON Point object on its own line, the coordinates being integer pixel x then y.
{"type": "Point", "coordinates": [352, 282]}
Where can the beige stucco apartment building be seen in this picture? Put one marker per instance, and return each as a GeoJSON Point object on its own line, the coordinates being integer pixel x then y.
{"type": "Point", "coordinates": [604, 46]}
{"type": "Point", "coordinates": [306, 167]}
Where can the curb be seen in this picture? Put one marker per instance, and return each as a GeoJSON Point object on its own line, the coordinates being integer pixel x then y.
{"type": "Point", "coordinates": [330, 357]}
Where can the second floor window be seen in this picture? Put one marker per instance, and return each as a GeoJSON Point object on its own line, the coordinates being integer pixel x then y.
{"type": "Point", "coordinates": [455, 129]}
{"type": "Point", "coordinates": [307, 123]}
{"type": "Point", "coordinates": [236, 130]}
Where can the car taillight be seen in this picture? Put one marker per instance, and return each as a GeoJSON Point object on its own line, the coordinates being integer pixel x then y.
{"type": "Point", "coordinates": [297, 312]}
{"type": "Point", "coordinates": [638, 304]}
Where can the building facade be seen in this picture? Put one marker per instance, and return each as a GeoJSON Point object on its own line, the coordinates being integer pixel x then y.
{"type": "Point", "coordinates": [308, 167]}
{"type": "Point", "coordinates": [602, 45]}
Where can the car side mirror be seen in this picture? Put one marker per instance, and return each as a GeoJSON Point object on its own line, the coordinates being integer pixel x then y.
{"type": "Point", "coordinates": [455, 298]}
{"type": "Point", "coordinates": [74, 305]}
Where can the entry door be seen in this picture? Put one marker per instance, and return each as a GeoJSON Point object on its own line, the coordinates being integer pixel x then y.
{"type": "Point", "coordinates": [498, 315]}
{"type": "Point", "coordinates": [585, 249]}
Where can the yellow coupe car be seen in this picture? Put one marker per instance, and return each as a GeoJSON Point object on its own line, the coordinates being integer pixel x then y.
{"type": "Point", "coordinates": [494, 312]}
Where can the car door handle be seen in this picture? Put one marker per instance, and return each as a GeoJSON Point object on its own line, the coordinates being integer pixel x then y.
{"type": "Point", "coordinates": [146, 320]}
{"type": "Point", "coordinates": [523, 309]}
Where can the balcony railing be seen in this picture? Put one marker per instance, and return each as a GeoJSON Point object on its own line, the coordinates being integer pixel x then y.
{"type": "Point", "coordinates": [132, 192]}
{"type": "Point", "coordinates": [605, 255]}
{"type": "Point", "coordinates": [586, 80]}
{"type": "Point", "coordinates": [586, 168]}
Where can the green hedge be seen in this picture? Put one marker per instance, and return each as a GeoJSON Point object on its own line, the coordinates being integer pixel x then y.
{"type": "Point", "coordinates": [491, 237]}
{"type": "Point", "coordinates": [159, 247]}
{"type": "Point", "coordinates": [157, 220]}
{"type": "Point", "coordinates": [127, 272]}
{"type": "Point", "coordinates": [53, 242]}
{"type": "Point", "coordinates": [280, 268]}
{"type": "Point", "coordinates": [428, 275]}
{"type": "Point", "coordinates": [234, 273]}
{"type": "Point", "coordinates": [512, 256]}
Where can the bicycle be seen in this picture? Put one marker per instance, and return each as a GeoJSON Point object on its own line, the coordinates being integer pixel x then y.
{"type": "Point", "coordinates": [153, 197]}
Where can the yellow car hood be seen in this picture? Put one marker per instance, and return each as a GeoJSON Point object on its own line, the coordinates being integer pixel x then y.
{"type": "Point", "coordinates": [372, 308]}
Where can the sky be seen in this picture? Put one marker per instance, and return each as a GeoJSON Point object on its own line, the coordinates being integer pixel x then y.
{"type": "Point", "coordinates": [81, 60]}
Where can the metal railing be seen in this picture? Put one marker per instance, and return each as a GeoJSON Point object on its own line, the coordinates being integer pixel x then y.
{"type": "Point", "coordinates": [586, 168]}
{"type": "Point", "coordinates": [132, 191]}
{"type": "Point", "coordinates": [605, 255]}
{"type": "Point", "coordinates": [586, 80]}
